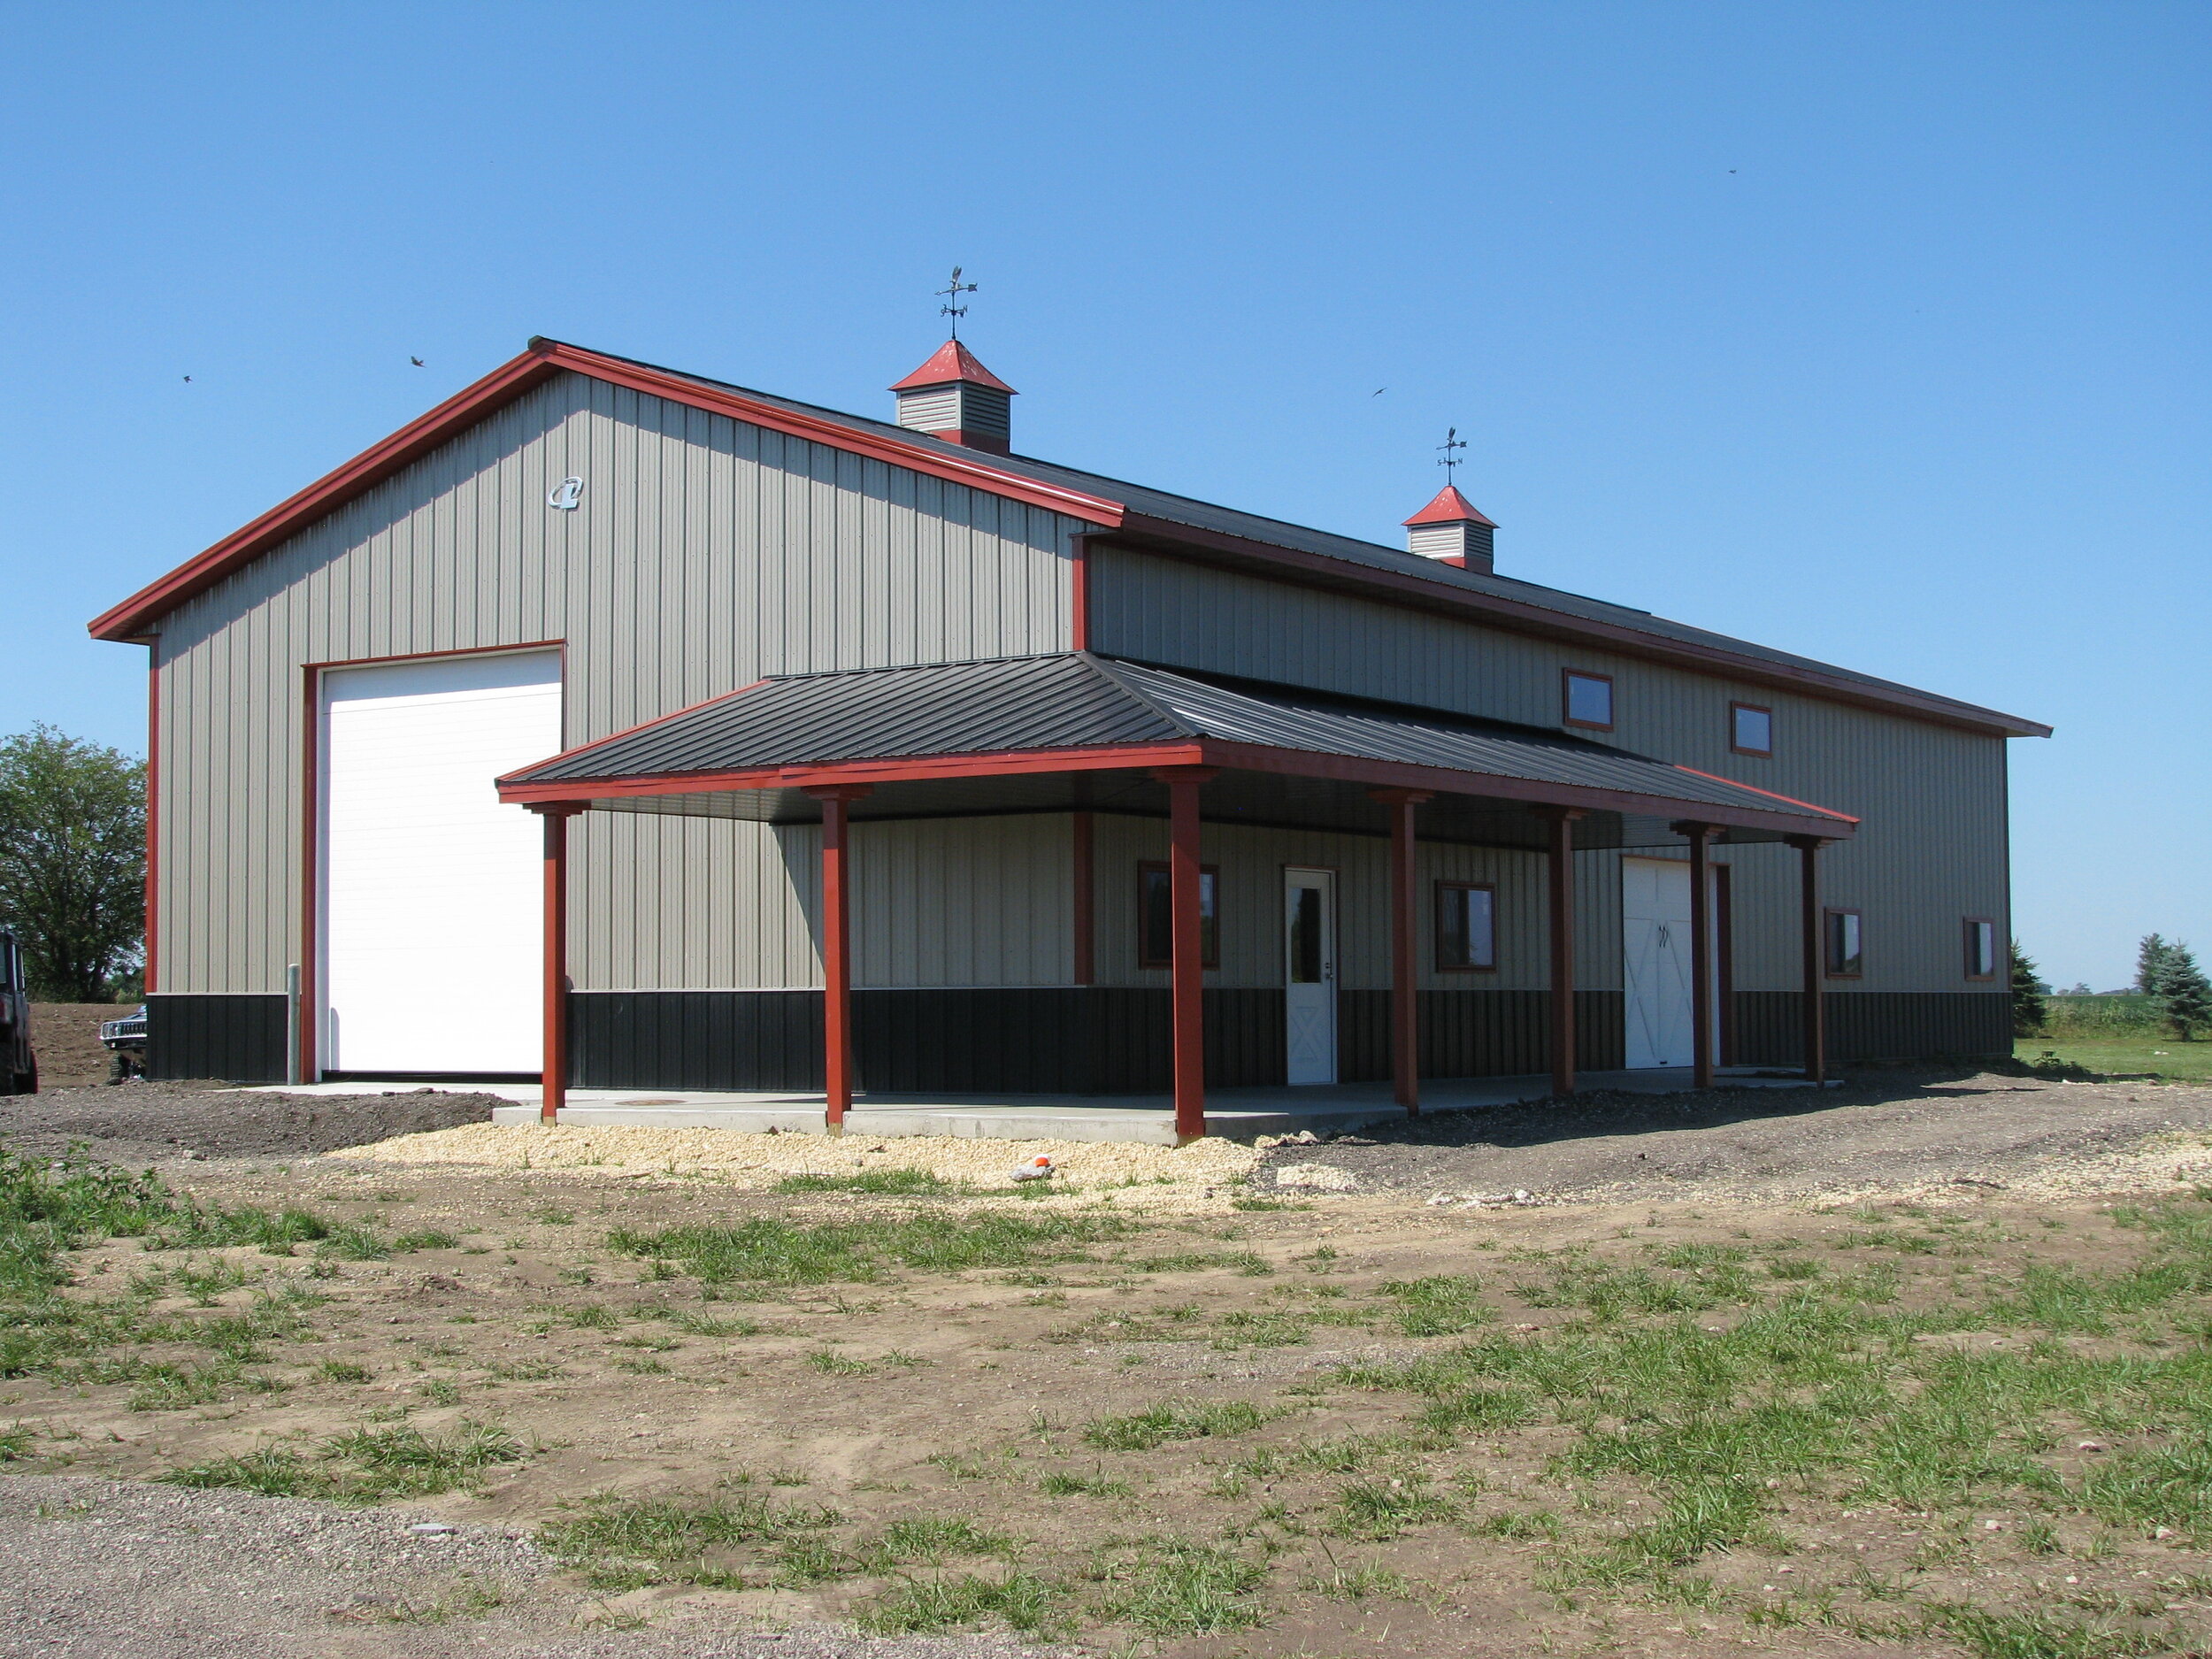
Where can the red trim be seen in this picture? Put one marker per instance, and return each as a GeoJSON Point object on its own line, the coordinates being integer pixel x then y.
{"type": "Point", "coordinates": [1725, 962]}
{"type": "Point", "coordinates": [837, 972]}
{"type": "Point", "coordinates": [512, 380]}
{"type": "Point", "coordinates": [1210, 952]}
{"type": "Point", "coordinates": [1714, 777]}
{"type": "Point", "coordinates": [1145, 533]}
{"type": "Point", "coordinates": [1079, 602]}
{"type": "Point", "coordinates": [1206, 752]}
{"type": "Point", "coordinates": [1449, 884]}
{"type": "Point", "coordinates": [1188, 979]}
{"type": "Point", "coordinates": [1405, 959]}
{"type": "Point", "coordinates": [1734, 747]}
{"type": "Point", "coordinates": [311, 816]}
{"type": "Point", "coordinates": [1567, 677]}
{"type": "Point", "coordinates": [153, 805]}
{"type": "Point", "coordinates": [1000, 764]}
{"type": "Point", "coordinates": [1813, 1007]}
{"type": "Point", "coordinates": [309, 1014]}
{"type": "Point", "coordinates": [1083, 842]}
{"type": "Point", "coordinates": [1559, 886]}
{"type": "Point", "coordinates": [553, 1054]}
{"type": "Point", "coordinates": [1701, 838]}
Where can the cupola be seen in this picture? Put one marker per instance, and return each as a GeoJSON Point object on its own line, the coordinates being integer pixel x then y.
{"type": "Point", "coordinates": [1451, 531]}
{"type": "Point", "coordinates": [954, 397]}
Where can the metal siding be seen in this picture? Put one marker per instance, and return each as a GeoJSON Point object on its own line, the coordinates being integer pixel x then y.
{"type": "Point", "coordinates": [705, 554]}
{"type": "Point", "coordinates": [1929, 850]}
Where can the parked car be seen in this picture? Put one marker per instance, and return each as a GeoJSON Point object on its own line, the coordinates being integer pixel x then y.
{"type": "Point", "coordinates": [18, 1067]}
{"type": "Point", "coordinates": [126, 1039]}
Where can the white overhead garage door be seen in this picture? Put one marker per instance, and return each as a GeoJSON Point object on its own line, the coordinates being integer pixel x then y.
{"type": "Point", "coordinates": [432, 890]}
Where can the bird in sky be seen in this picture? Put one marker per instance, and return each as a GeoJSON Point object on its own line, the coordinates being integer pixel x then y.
{"type": "Point", "coordinates": [1379, 391]}
{"type": "Point", "coordinates": [416, 361]}
{"type": "Point", "coordinates": [188, 379]}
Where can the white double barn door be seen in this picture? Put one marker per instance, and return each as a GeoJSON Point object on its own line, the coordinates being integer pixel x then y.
{"type": "Point", "coordinates": [1656, 974]}
{"type": "Point", "coordinates": [431, 914]}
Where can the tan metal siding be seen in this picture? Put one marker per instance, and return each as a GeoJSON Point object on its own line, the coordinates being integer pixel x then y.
{"type": "Point", "coordinates": [705, 553]}
{"type": "Point", "coordinates": [1251, 886]}
{"type": "Point", "coordinates": [1932, 849]}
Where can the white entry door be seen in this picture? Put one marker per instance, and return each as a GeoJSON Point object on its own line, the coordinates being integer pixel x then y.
{"type": "Point", "coordinates": [1656, 970]}
{"type": "Point", "coordinates": [1310, 973]}
{"type": "Point", "coordinates": [431, 916]}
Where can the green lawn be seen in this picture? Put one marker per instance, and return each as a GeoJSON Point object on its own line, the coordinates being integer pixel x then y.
{"type": "Point", "coordinates": [2167, 1056]}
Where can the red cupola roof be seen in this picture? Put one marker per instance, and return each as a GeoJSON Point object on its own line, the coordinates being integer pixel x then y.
{"type": "Point", "coordinates": [1450, 507]}
{"type": "Point", "coordinates": [949, 363]}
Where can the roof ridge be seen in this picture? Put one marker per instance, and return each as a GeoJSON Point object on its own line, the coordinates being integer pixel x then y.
{"type": "Point", "coordinates": [1108, 667]}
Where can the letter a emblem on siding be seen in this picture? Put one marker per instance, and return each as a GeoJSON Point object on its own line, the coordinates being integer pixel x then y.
{"type": "Point", "coordinates": [566, 496]}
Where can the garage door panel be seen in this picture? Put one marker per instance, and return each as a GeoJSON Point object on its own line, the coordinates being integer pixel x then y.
{"type": "Point", "coordinates": [432, 927]}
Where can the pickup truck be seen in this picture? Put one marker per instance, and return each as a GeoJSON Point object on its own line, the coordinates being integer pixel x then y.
{"type": "Point", "coordinates": [126, 1039]}
{"type": "Point", "coordinates": [18, 1067]}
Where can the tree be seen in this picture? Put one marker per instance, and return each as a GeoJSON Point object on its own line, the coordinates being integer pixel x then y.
{"type": "Point", "coordinates": [73, 860]}
{"type": "Point", "coordinates": [2150, 964]}
{"type": "Point", "coordinates": [2028, 1011]}
{"type": "Point", "coordinates": [2185, 993]}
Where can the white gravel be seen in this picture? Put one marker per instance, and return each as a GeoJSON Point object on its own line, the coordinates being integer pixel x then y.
{"type": "Point", "coordinates": [109, 1570]}
{"type": "Point", "coordinates": [1202, 1175]}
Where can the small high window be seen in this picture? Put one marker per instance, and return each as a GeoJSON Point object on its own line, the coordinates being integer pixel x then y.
{"type": "Point", "coordinates": [1156, 915]}
{"type": "Point", "coordinates": [1466, 927]}
{"type": "Point", "coordinates": [1750, 729]}
{"type": "Point", "coordinates": [1844, 961]}
{"type": "Point", "coordinates": [1981, 948]}
{"type": "Point", "coordinates": [1587, 700]}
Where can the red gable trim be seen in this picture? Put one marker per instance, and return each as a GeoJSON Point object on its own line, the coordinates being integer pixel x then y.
{"type": "Point", "coordinates": [511, 380]}
{"type": "Point", "coordinates": [518, 788]}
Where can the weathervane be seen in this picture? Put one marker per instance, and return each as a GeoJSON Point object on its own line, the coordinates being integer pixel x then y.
{"type": "Point", "coordinates": [1448, 461]}
{"type": "Point", "coordinates": [952, 307]}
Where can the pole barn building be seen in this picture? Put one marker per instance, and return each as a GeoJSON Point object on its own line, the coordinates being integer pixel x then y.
{"type": "Point", "coordinates": [653, 732]}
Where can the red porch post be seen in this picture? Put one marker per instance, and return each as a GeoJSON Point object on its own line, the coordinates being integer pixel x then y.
{"type": "Point", "coordinates": [1701, 839]}
{"type": "Point", "coordinates": [553, 1042]}
{"type": "Point", "coordinates": [1815, 1012]}
{"type": "Point", "coordinates": [837, 971]}
{"type": "Point", "coordinates": [1405, 960]}
{"type": "Point", "coordinates": [1562, 849]}
{"type": "Point", "coordinates": [1187, 973]}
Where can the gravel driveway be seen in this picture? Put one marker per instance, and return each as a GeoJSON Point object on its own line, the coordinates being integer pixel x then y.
{"type": "Point", "coordinates": [1891, 1130]}
{"type": "Point", "coordinates": [111, 1570]}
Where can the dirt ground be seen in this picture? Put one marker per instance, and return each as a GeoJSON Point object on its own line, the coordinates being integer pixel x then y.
{"type": "Point", "coordinates": [65, 1039]}
{"type": "Point", "coordinates": [1271, 1417]}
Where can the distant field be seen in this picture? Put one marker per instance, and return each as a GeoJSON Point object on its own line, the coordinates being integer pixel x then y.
{"type": "Point", "coordinates": [2168, 1056]}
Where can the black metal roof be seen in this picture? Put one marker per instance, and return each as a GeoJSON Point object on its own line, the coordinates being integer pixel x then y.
{"type": "Point", "coordinates": [1200, 515]}
{"type": "Point", "coordinates": [1078, 701]}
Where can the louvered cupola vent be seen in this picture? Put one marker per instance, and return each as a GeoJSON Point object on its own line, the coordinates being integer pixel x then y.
{"type": "Point", "coordinates": [1451, 531]}
{"type": "Point", "coordinates": [954, 397]}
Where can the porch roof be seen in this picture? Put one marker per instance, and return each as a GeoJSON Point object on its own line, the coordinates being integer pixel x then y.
{"type": "Point", "coordinates": [1041, 733]}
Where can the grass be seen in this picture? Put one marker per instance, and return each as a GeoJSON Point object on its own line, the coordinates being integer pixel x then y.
{"type": "Point", "coordinates": [362, 1465]}
{"type": "Point", "coordinates": [1443, 1305]}
{"type": "Point", "coordinates": [769, 1250]}
{"type": "Point", "coordinates": [1156, 1426]}
{"type": "Point", "coordinates": [901, 1183]}
{"type": "Point", "coordinates": [2165, 1057]}
{"type": "Point", "coordinates": [624, 1544]}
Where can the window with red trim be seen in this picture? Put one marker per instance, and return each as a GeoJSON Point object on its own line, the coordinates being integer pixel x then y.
{"type": "Point", "coordinates": [1981, 948]}
{"type": "Point", "coordinates": [1585, 700]}
{"type": "Point", "coordinates": [1466, 927]}
{"type": "Point", "coordinates": [1750, 729]}
{"type": "Point", "coordinates": [1156, 915]}
{"type": "Point", "coordinates": [1845, 945]}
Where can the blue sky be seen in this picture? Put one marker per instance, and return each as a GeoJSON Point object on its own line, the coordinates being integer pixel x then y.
{"type": "Point", "coordinates": [1875, 332]}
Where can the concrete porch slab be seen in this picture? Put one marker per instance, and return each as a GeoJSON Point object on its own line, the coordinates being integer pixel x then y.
{"type": "Point", "coordinates": [1237, 1114]}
